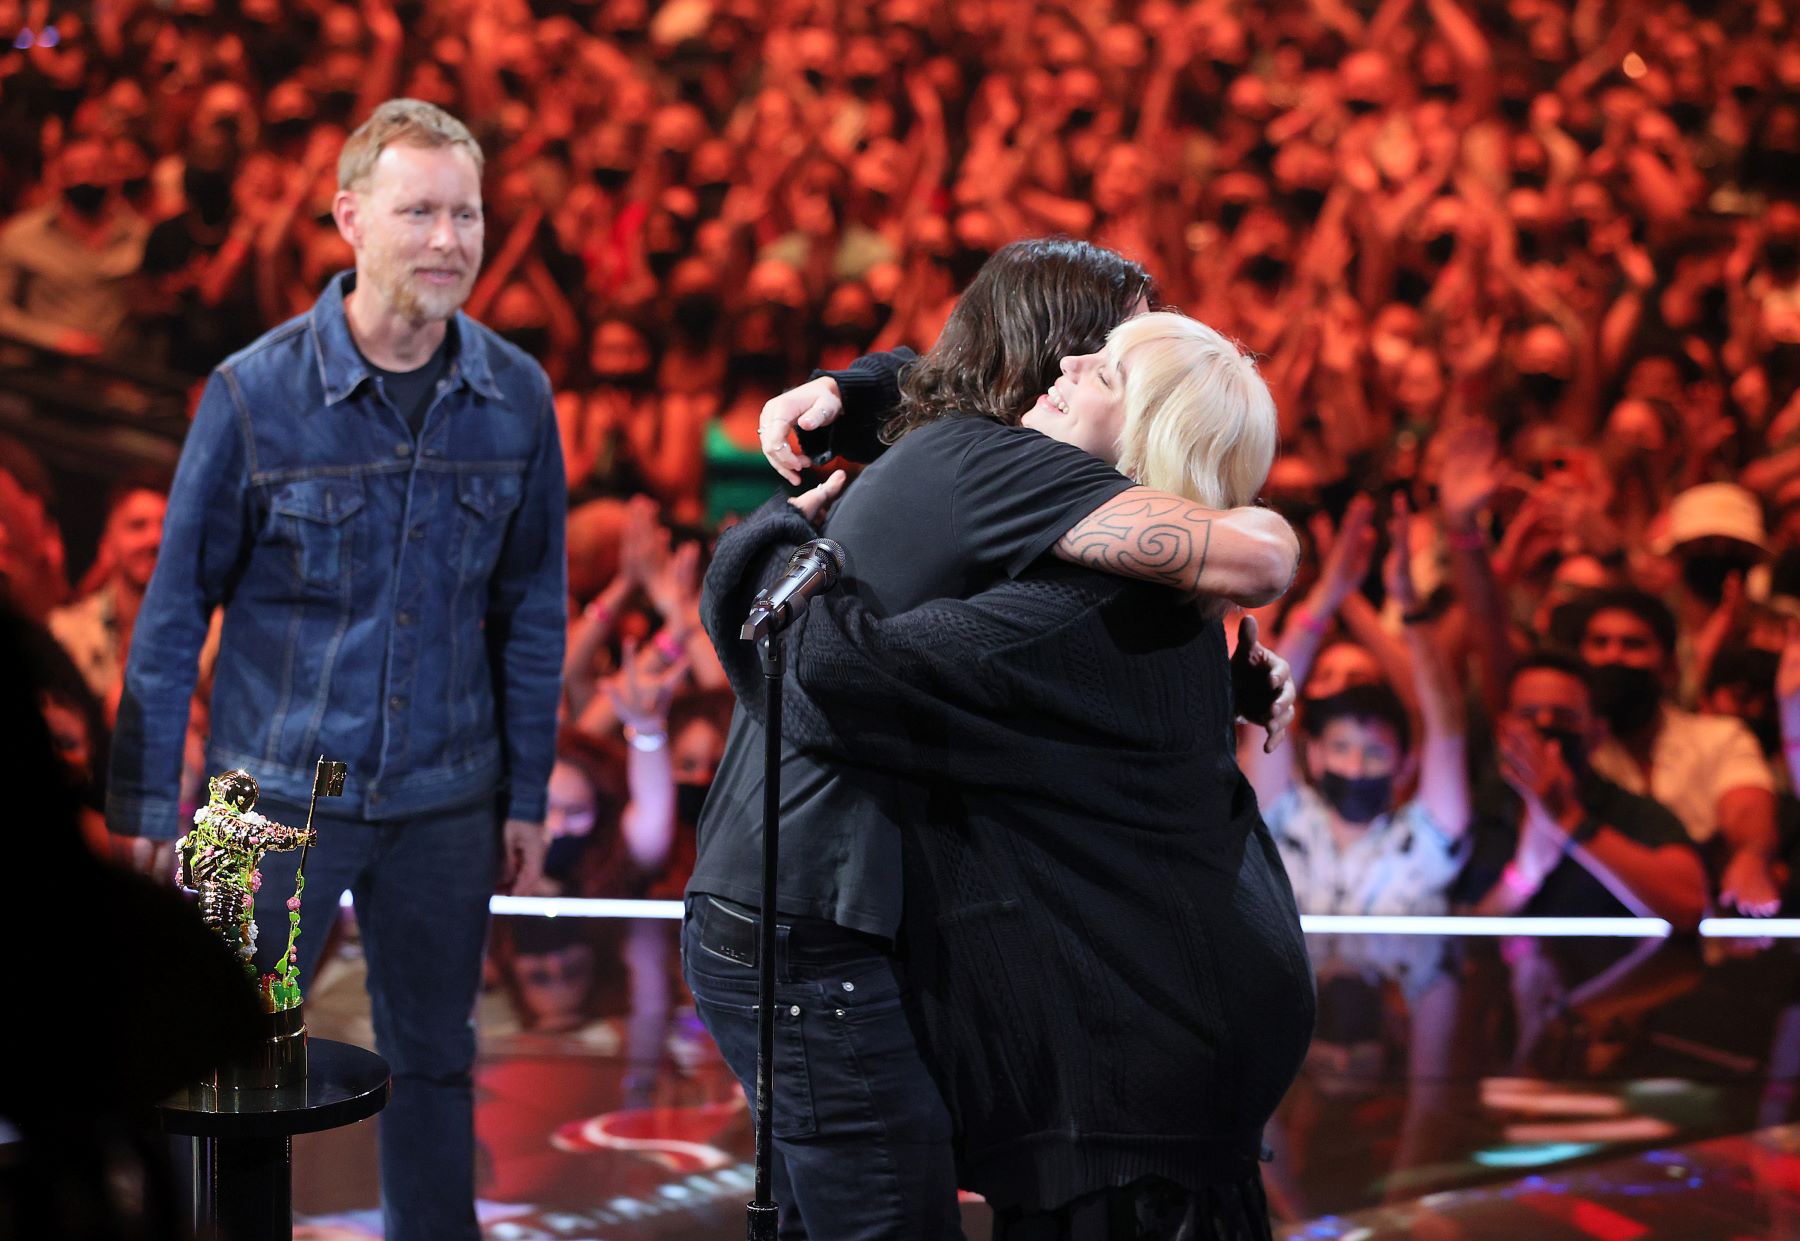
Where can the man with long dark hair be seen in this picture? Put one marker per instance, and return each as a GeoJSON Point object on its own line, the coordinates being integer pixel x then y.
{"type": "Point", "coordinates": [862, 1134]}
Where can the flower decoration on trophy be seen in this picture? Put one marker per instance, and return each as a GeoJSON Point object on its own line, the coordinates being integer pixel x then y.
{"type": "Point", "coordinates": [219, 859]}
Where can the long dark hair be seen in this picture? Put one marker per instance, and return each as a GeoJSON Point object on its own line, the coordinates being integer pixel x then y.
{"type": "Point", "coordinates": [1031, 304]}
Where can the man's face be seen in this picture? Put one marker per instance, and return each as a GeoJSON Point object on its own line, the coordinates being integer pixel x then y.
{"type": "Point", "coordinates": [416, 227]}
{"type": "Point", "coordinates": [1551, 701]}
{"type": "Point", "coordinates": [1085, 407]}
{"type": "Point", "coordinates": [1615, 636]}
{"type": "Point", "coordinates": [134, 535]}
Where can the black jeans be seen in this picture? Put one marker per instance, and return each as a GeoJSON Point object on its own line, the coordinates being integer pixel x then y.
{"type": "Point", "coordinates": [862, 1136]}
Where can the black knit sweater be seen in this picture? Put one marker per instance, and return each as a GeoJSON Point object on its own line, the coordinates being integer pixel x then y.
{"type": "Point", "coordinates": [1103, 946]}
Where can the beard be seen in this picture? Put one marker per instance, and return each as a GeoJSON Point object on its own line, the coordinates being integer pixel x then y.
{"type": "Point", "coordinates": [400, 285]}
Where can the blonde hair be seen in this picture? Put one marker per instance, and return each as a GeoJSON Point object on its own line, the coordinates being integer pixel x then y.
{"type": "Point", "coordinates": [1199, 420]}
{"type": "Point", "coordinates": [408, 122]}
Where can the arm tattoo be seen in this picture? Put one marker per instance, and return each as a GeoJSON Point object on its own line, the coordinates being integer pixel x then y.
{"type": "Point", "coordinates": [1155, 540]}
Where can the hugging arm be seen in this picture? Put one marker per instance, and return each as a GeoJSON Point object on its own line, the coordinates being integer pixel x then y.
{"type": "Point", "coordinates": [1245, 555]}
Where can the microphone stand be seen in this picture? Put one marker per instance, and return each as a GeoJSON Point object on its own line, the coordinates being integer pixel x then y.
{"type": "Point", "coordinates": [763, 1212]}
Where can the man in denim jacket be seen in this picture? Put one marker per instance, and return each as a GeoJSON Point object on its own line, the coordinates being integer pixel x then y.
{"type": "Point", "coordinates": [374, 493]}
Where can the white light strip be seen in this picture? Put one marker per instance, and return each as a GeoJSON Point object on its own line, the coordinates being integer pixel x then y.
{"type": "Point", "coordinates": [1750, 928]}
{"type": "Point", "coordinates": [1316, 924]}
{"type": "Point", "coordinates": [1399, 924]}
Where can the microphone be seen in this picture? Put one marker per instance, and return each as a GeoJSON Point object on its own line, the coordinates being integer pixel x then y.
{"type": "Point", "coordinates": [812, 570]}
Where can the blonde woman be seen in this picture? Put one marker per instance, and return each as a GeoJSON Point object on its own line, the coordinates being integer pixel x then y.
{"type": "Point", "coordinates": [1101, 945]}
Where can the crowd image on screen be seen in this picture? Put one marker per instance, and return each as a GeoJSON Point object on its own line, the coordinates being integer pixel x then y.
{"type": "Point", "coordinates": [1524, 278]}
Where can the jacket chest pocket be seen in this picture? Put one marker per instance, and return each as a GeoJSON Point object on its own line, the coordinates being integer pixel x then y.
{"type": "Point", "coordinates": [485, 503]}
{"type": "Point", "coordinates": [311, 518]}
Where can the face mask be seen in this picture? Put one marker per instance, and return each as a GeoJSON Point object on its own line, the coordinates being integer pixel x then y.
{"type": "Point", "coordinates": [209, 192]}
{"type": "Point", "coordinates": [562, 856]}
{"type": "Point", "coordinates": [1307, 201]}
{"type": "Point", "coordinates": [1360, 107]}
{"type": "Point", "coordinates": [134, 188]}
{"type": "Point", "coordinates": [628, 381]}
{"type": "Point", "coordinates": [1440, 248]}
{"type": "Point", "coordinates": [1530, 178]}
{"type": "Point", "coordinates": [1541, 388]}
{"type": "Point", "coordinates": [1581, 232]}
{"type": "Point", "coordinates": [1515, 108]}
{"type": "Point", "coordinates": [690, 798]}
{"type": "Point", "coordinates": [854, 334]}
{"type": "Point", "coordinates": [1359, 799]}
{"type": "Point", "coordinates": [662, 262]}
{"type": "Point", "coordinates": [1626, 697]}
{"type": "Point", "coordinates": [534, 341]}
{"type": "Point", "coordinates": [1687, 115]}
{"type": "Point", "coordinates": [696, 314]}
{"type": "Point", "coordinates": [612, 180]}
{"type": "Point", "coordinates": [85, 198]}
{"type": "Point", "coordinates": [1781, 255]}
{"type": "Point", "coordinates": [712, 198]}
{"type": "Point", "coordinates": [1081, 118]}
{"type": "Point", "coordinates": [1574, 750]}
{"type": "Point", "coordinates": [864, 84]}
{"type": "Point", "coordinates": [1231, 215]}
{"type": "Point", "coordinates": [1266, 270]}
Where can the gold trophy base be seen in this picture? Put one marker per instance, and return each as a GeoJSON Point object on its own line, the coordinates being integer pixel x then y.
{"type": "Point", "coordinates": [277, 1062]}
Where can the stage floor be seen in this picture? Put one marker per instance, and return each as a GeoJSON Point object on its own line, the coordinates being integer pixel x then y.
{"type": "Point", "coordinates": [1458, 1088]}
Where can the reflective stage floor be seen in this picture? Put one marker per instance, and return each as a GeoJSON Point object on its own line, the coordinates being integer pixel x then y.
{"type": "Point", "coordinates": [1457, 1088]}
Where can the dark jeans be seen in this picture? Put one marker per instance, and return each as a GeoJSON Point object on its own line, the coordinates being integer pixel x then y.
{"type": "Point", "coordinates": [421, 887]}
{"type": "Point", "coordinates": [862, 1137]}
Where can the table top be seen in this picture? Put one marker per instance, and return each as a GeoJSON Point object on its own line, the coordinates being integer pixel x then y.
{"type": "Point", "coordinates": [344, 1084]}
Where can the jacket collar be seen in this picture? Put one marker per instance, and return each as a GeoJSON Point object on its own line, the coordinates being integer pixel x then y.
{"type": "Point", "coordinates": [342, 368]}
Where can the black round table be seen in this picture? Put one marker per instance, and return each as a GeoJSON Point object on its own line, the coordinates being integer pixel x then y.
{"type": "Point", "coordinates": [243, 1139]}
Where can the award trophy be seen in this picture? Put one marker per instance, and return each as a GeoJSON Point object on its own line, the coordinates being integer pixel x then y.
{"type": "Point", "coordinates": [219, 859]}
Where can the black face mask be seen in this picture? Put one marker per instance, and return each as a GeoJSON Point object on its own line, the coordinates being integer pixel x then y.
{"type": "Point", "coordinates": [336, 105]}
{"type": "Point", "coordinates": [612, 180]}
{"type": "Point", "coordinates": [854, 334]}
{"type": "Point", "coordinates": [1231, 215]}
{"type": "Point", "coordinates": [1081, 118]}
{"type": "Point", "coordinates": [625, 381]}
{"type": "Point", "coordinates": [290, 132]}
{"type": "Point", "coordinates": [1711, 307]}
{"type": "Point", "coordinates": [697, 315]}
{"type": "Point", "coordinates": [563, 855]}
{"type": "Point", "coordinates": [690, 798]}
{"type": "Point", "coordinates": [662, 262]}
{"type": "Point", "coordinates": [1440, 248]}
{"type": "Point", "coordinates": [766, 369]}
{"type": "Point", "coordinates": [208, 191]}
{"type": "Point", "coordinates": [1705, 575]}
{"type": "Point", "coordinates": [134, 188]}
{"type": "Point", "coordinates": [1688, 115]}
{"type": "Point", "coordinates": [1781, 255]}
{"type": "Point", "coordinates": [965, 263]}
{"type": "Point", "coordinates": [1574, 751]}
{"type": "Point", "coordinates": [85, 198]}
{"type": "Point", "coordinates": [534, 341]}
{"type": "Point", "coordinates": [1544, 389]}
{"type": "Point", "coordinates": [1515, 108]}
{"type": "Point", "coordinates": [815, 78]}
{"type": "Point", "coordinates": [863, 85]}
{"type": "Point", "coordinates": [712, 198]}
{"type": "Point", "coordinates": [1626, 697]}
{"type": "Point", "coordinates": [1531, 247]}
{"type": "Point", "coordinates": [1530, 178]}
{"type": "Point", "coordinates": [1439, 90]}
{"type": "Point", "coordinates": [1359, 799]}
{"type": "Point", "coordinates": [1581, 232]}
{"type": "Point", "coordinates": [1266, 270]}
{"type": "Point", "coordinates": [1306, 202]}
{"type": "Point", "coordinates": [1360, 107]}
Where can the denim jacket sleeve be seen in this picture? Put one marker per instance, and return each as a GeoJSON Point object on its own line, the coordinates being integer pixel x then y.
{"type": "Point", "coordinates": [527, 622]}
{"type": "Point", "coordinates": [206, 535]}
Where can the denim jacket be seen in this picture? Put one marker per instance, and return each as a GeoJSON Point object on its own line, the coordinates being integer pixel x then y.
{"type": "Point", "coordinates": [391, 602]}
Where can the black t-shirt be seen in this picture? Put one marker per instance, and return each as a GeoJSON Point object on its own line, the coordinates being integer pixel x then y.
{"type": "Point", "coordinates": [953, 507]}
{"type": "Point", "coordinates": [1569, 891]}
{"type": "Point", "coordinates": [412, 391]}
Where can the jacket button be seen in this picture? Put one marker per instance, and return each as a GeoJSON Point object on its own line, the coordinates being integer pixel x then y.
{"type": "Point", "coordinates": [404, 618]}
{"type": "Point", "coordinates": [416, 533]}
{"type": "Point", "coordinates": [403, 450]}
{"type": "Point", "coordinates": [396, 703]}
